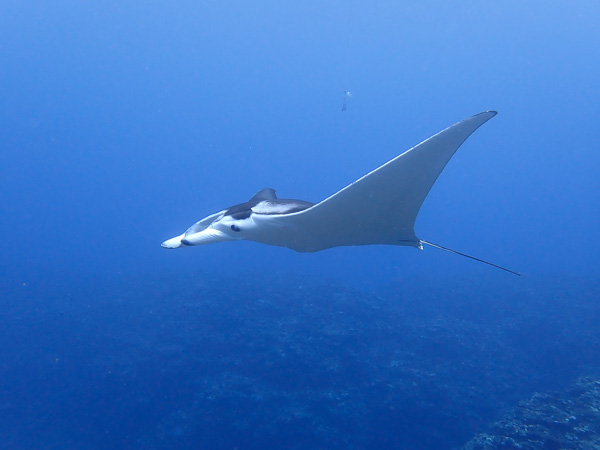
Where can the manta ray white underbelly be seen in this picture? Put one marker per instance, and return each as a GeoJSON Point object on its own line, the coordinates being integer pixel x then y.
{"type": "Point", "coordinates": [379, 208]}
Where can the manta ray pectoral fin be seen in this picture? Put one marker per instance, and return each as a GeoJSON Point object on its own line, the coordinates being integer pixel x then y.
{"type": "Point", "coordinates": [382, 206]}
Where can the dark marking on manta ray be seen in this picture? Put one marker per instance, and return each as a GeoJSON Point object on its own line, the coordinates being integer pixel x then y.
{"type": "Point", "coordinates": [241, 215]}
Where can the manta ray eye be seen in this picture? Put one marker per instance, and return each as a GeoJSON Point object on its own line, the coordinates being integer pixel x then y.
{"type": "Point", "coordinates": [235, 228]}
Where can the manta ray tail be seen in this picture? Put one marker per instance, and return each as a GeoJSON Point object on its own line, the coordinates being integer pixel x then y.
{"type": "Point", "coordinates": [469, 256]}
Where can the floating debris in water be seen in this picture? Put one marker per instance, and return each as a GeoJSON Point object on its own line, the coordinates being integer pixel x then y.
{"type": "Point", "coordinates": [344, 104]}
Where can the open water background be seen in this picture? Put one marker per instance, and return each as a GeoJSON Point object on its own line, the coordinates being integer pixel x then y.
{"type": "Point", "coordinates": [121, 124]}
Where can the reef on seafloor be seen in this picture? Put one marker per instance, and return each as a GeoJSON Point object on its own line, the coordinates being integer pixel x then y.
{"type": "Point", "coordinates": [558, 420]}
{"type": "Point", "coordinates": [219, 362]}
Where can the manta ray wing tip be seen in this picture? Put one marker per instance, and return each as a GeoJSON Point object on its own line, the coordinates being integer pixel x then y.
{"type": "Point", "coordinates": [491, 112]}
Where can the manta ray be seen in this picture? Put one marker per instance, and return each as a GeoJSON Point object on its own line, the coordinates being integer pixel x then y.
{"type": "Point", "coordinates": [379, 208]}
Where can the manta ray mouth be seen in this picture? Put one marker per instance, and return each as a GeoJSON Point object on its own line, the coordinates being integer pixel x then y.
{"type": "Point", "coordinates": [173, 242]}
{"type": "Point", "coordinates": [207, 236]}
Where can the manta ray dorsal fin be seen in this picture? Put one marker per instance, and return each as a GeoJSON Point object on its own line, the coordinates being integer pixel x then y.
{"type": "Point", "coordinates": [264, 194]}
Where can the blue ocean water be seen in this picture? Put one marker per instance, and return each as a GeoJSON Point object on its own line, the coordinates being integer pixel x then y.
{"type": "Point", "coordinates": [124, 123]}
